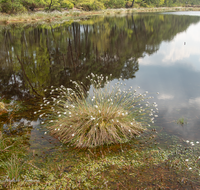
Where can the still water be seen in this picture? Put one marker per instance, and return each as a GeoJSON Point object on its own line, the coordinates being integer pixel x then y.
{"type": "Point", "coordinates": [158, 52]}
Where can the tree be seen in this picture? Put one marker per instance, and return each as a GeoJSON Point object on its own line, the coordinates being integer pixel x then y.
{"type": "Point", "coordinates": [132, 3]}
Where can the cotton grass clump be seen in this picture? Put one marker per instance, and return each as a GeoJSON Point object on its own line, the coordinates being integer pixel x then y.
{"type": "Point", "coordinates": [102, 116]}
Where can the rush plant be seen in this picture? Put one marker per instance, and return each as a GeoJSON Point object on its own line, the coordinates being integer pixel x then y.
{"type": "Point", "coordinates": [98, 116]}
{"type": "Point", "coordinates": [13, 167]}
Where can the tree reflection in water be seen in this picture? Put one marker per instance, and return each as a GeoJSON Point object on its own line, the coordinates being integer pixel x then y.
{"type": "Point", "coordinates": [36, 57]}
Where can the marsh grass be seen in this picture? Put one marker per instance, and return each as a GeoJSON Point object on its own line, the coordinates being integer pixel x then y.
{"type": "Point", "coordinates": [3, 145]}
{"type": "Point", "coordinates": [12, 167]}
{"type": "Point", "coordinates": [96, 117]}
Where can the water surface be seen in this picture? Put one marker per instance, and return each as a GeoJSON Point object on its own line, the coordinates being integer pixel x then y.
{"type": "Point", "coordinates": [158, 52]}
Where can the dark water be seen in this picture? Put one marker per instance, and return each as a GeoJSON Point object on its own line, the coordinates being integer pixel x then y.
{"type": "Point", "coordinates": [158, 52]}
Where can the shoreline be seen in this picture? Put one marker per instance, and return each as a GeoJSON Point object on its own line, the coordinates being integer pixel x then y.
{"type": "Point", "coordinates": [55, 16]}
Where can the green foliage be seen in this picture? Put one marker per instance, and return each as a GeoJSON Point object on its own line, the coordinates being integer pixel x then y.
{"type": "Point", "coordinates": [114, 3]}
{"type": "Point", "coordinates": [55, 5]}
{"type": "Point", "coordinates": [89, 5]}
{"type": "Point", "coordinates": [161, 2]}
{"type": "Point", "coordinates": [41, 3]}
{"type": "Point", "coordinates": [8, 6]}
{"type": "Point", "coordinates": [168, 3]}
{"type": "Point", "coordinates": [66, 4]}
{"type": "Point", "coordinates": [143, 4]}
{"type": "Point", "coordinates": [20, 6]}
{"type": "Point", "coordinates": [128, 4]}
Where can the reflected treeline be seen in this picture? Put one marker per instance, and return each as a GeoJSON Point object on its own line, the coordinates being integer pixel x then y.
{"type": "Point", "coordinates": [35, 58]}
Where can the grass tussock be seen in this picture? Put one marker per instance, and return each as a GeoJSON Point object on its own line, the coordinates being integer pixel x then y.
{"type": "Point", "coordinates": [98, 116]}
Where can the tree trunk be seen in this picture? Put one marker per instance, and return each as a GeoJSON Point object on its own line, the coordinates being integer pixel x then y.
{"type": "Point", "coordinates": [132, 3]}
{"type": "Point", "coordinates": [50, 4]}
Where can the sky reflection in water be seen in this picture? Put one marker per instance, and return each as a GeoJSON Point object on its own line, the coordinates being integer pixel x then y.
{"type": "Point", "coordinates": [112, 45]}
{"type": "Point", "coordinates": [174, 71]}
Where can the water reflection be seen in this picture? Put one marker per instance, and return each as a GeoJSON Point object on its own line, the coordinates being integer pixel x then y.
{"type": "Point", "coordinates": [174, 71]}
{"type": "Point", "coordinates": [164, 48]}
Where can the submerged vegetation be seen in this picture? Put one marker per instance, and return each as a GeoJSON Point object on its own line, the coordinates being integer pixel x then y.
{"type": "Point", "coordinates": [141, 163]}
{"type": "Point", "coordinates": [182, 121]}
{"type": "Point", "coordinates": [103, 116]}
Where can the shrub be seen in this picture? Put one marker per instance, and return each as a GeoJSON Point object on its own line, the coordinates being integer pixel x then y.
{"type": "Point", "coordinates": [114, 3]}
{"type": "Point", "coordinates": [89, 5]}
{"type": "Point", "coordinates": [128, 4]}
{"type": "Point", "coordinates": [103, 116]}
{"type": "Point", "coordinates": [66, 4]}
{"type": "Point", "coordinates": [143, 4]}
{"type": "Point", "coordinates": [8, 6]}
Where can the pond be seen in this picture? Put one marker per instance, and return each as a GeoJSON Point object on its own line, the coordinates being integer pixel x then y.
{"type": "Point", "coordinates": [158, 52]}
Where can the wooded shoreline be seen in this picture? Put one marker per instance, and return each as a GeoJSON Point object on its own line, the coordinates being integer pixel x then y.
{"type": "Point", "coordinates": [76, 14]}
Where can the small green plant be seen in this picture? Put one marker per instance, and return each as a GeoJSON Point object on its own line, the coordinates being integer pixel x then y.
{"type": "Point", "coordinates": [181, 121]}
{"type": "Point", "coordinates": [96, 117]}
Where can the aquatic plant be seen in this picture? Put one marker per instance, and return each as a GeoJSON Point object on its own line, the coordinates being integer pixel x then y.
{"type": "Point", "coordinates": [185, 157]}
{"type": "Point", "coordinates": [181, 121]}
{"type": "Point", "coordinates": [96, 117]}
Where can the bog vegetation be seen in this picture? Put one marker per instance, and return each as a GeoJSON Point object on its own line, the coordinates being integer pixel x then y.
{"type": "Point", "coordinates": [106, 116]}
{"type": "Point", "coordinates": [20, 6]}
